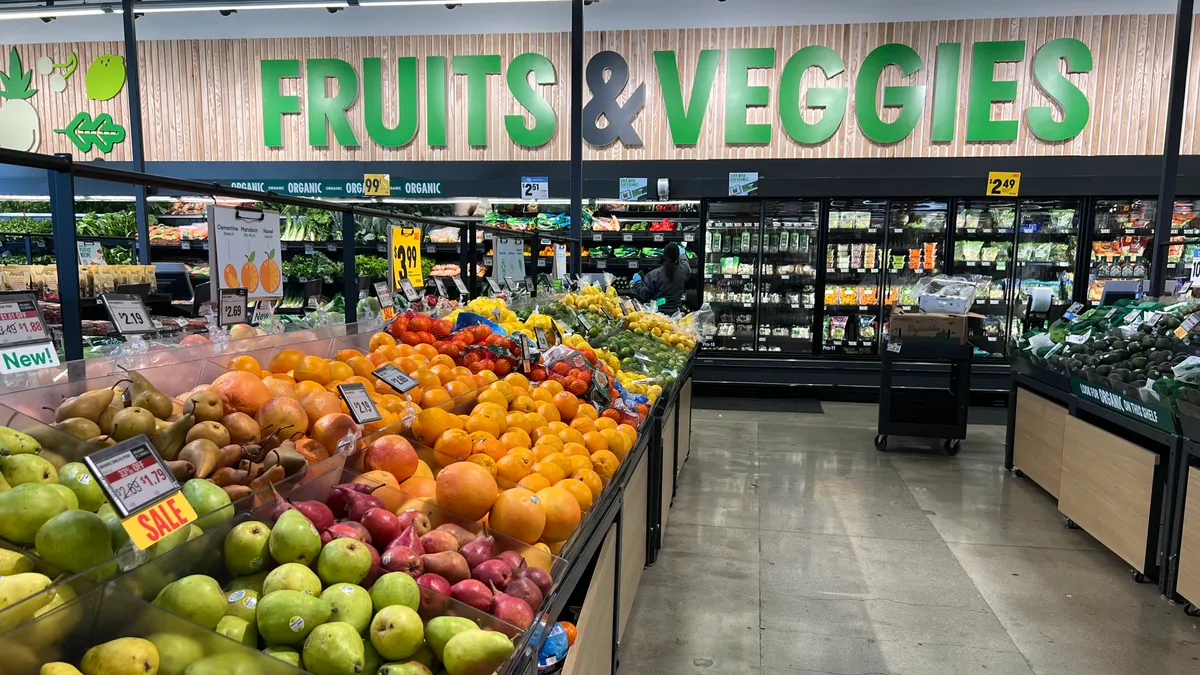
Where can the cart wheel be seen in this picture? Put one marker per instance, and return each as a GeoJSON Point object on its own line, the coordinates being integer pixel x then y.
{"type": "Point", "coordinates": [952, 447]}
{"type": "Point", "coordinates": [1191, 610]}
{"type": "Point", "coordinates": [1072, 525]}
{"type": "Point", "coordinates": [881, 443]}
{"type": "Point", "coordinates": [1018, 473]}
{"type": "Point", "coordinates": [1139, 577]}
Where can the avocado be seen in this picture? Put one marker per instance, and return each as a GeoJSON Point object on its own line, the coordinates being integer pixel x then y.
{"type": "Point", "coordinates": [1103, 370]}
{"type": "Point", "coordinates": [1139, 362]}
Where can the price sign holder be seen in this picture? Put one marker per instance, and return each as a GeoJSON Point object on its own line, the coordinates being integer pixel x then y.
{"type": "Point", "coordinates": [409, 292]}
{"type": "Point", "coordinates": [141, 489]}
{"type": "Point", "coordinates": [232, 306]}
{"type": "Point", "coordinates": [377, 185]}
{"type": "Point", "coordinates": [362, 408]}
{"type": "Point", "coordinates": [395, 378]}
{"type": "Point", "coordinates": [535, 187]}
{"type": "Point", "coordinates": [441, 287]}
{"type": "Point", "coordinates": [525, 356]}
{"type": "Point", "coordinates": [25, 341]}
{"type": "Point", "coordinates": [542, 343]}
{"type": "Point", "coordinates": [128, 313]}
{"type": "Point", "coordinates": [508, 283]}
{"type": "Point", "coordinates": [462, 288]}
{"type": "Point", "coordinates": [493, 285]}
{"type": "Point", "coordinates": [558, 336]}
{"type": "Point", "coordinates": [386, 306]}
{"type": "Point", "coordinates": [1003, 183]}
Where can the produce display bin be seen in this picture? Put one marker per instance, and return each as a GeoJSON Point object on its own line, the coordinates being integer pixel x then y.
{"type": "Point", "coordinates": [594, 652]}
{"type": "Point", "coordinates": [1039, 429]}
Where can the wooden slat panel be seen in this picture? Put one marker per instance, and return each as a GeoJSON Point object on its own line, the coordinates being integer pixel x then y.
{"type": "Point", "coordinates": [1188, 584]}
{"type": "Point", "coordinates": [633, 536]}
{"type": "Point", "coordinates": [1038, 439]}
{"type": "Point", "coordinates": [592, 652]}
{"type": "Point", "coordinates": [1106, 487]}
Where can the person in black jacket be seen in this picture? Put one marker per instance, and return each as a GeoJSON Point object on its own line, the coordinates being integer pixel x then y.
{"type": "Point", "coordinates": [666, 282]}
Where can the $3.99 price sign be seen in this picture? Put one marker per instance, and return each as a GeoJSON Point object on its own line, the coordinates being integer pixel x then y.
{"type": "Point", "coordinates": [232, 306]}
{"type": "Point", "coordinates": [404, 259]}
{"type": "Point", "coordinates": [128, 313]}
{"type": "Point", "coordinates": [362, 408]}
{"type": "Point", "coordinates": [141, 489]}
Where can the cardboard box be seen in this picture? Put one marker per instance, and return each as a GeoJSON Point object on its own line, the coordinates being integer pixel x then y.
{"type": "Point", "coordinates": [952, 328]}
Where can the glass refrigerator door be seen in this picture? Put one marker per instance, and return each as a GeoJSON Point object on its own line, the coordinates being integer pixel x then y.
{"type": "Point", "coordinates": [916, 241]}
{"type": "Point", "coordinates": [788, 277]}
{"type": "Point", "coordinates": [1122, 240]}
{"type": "Point", "coordinates": [983, 250]}
{"type": "Point", "coordinates": [730, 272]}
{"type": "Point", "coordinates": [1047, 243]}
{"type": "Point", "coordinates": [1184, 252]}
{"type": "Point", "coordinates": [853, 274]}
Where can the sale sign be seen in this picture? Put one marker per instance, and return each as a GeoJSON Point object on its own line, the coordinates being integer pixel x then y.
{"type": "Point", "coordinates": [404, 258]}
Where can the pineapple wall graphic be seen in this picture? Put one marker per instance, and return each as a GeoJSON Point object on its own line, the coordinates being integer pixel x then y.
{"type": "Point", "coordinates": [20, 128]}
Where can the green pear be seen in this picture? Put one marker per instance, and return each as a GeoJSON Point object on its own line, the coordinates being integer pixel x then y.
{"type": "Point", "coordinates": [197, 598]}
{"type": "Point", "coordinates": [170, 542]}
{"type": "Point", "coordinates": [351, 604]}
{"type": "Point", "coordinates": [294, 539]}
{"type": "Point", "coordinates": [397, 632]}
{"type": "Point", "coordinates": [343, 560]}
{"type": "Point", "coordinates": [14, 562]}
{"type": "Point", "coordinates": [116, 532]}
{"type": "Point", "coordinates": [334, 649]}
{"type": "Point", "coordinates": [476, 652]}
{"type": "Point", "coordinates": [66, 493]}
{"type": "Point", "coordinates": [76, 541]}
{"type": "Point", "coordinates": [424, 656]}
{"type": "Point", "coordinates": [441, 629]}
{"type": "Point", "coordinates": [249, 582]}
{"type": "Point", "coordinates": [246, 547]}
{"type": "Point", "coordinates": [408, 668]}
{"type": "Point", "coordinates": [395, 588]}
{"type": "Point", "coordinates": [21, 469]}
{"type": "Point", "coordinates": [47, 631]}
{"type": "Point", "coordinates": [4, 486]}
{"type": "Point", "coordinates": [76, 477]}
{"type": "Point", "coordinates": [25, 508]}
{"type": "Point", "coordinates": [79, 427]}
{"type": "Point", "coordinates": [242, 603]}
{"type": "Point", "coordinates": [59, 668]}
{"type": "Point", "coordinates": [238, 629]}
{"type": "Point", "coordinates": [18, 587]}
{"type": "Point", "coordinates": [287, 617]}
{"type": "Point", "coordinates": [206, 498]}
{"type": "Point", "coordinates": [292, 577]}
{"type": "Point", "coordinates": [175, 652]}
{"type": "Point", "coordinates": [124, 656]}
{"type": "Point", "coordinates": [287, 655]}
{"type": "Point", "coordinates": [371, 658]}
{"type": "Point", "coordinates": [231, 663]}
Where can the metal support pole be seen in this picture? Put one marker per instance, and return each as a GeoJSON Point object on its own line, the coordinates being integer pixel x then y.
{"type": "Point", "coordinates": [576, 136]}
{"type": "Point", "coordinates": [133, 85]}
{"type": "Point", "coordinates": [1170, 157]}
{"type": "Point", "coordinates": [349, 274]}
{"type": "Point", "coordinates": [62, 217]}
{"type": "Point", "coordinates": [472, 259]}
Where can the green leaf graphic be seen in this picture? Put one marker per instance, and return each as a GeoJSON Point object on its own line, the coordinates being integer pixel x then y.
{"type": "Point", "coordinates": [86, 133]}
{"type": "Point", "coordinates": [15, 84]}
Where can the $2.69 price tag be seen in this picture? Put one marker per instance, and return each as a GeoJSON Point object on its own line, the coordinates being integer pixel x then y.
{"type": "Point", "coordinates": [128, 313]}
{"type": "Point", "coordinates": [232, 306]}
{"type": "Point", "coordinates": [141, 489]}
{"type": "Point", "coordinates": [395, 378]}
{"type": "Point", "coordinates": [362, 408]}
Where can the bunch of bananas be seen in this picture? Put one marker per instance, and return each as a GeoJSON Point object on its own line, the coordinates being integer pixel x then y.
{"type": "Point", "coordinates": [662, 328]}
{"type": "Point", "coordinates": [592, 299]}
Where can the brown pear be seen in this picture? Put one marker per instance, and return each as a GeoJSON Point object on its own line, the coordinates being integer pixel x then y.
{"type": "Point", "coordinates": [213, 431]}
{"type": "Point", "coordinates": [206, 405]}
{"type": "Point", "coordinates": [170, 441]}
{"type": "Point", "coordinates": [89, 405]}
{"type": "Point", "coordinates": [143, 394]}
{"type": "Point", "coordinates": [132, 421]}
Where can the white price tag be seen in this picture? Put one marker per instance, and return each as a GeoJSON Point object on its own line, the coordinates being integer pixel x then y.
{"type": "Point", "coordinates": [626, 237]}
{"type": "Point", "coordinates": [409, 292]}
{"type": "Point", "coordinates": [232, 304]}
{"type": "Point", "coordinates": [535, 187]}
{"type": "Point", "coordinates": [596, 236]}
{"type": "Point", "coordinates": [395, 378]}
{"type": "Point", "coordinates": [330, 246]}
{"type": "Point", "coordinates": [308, 248]}
{"type": "Point", "coordinates": [632, 264]}
{"type": "Point", "coordinates": [185, 246]}
{"type": "Point", "coordinates": [493, 285]}
{"type": "Point", "coordinates": [362, 408]}
{"type": "Point", "coordinates": [894, 347]}
{"type": "Point", "coordinates": [658, 237]}
{"type": "Point", "coordinates": [601, 264]}
{"type": "Point", "coordinates": [540, 334]}
{"type": "Point", "coordinates": [131, 474]}
{"type": "Point", "coordinates": [462, 288]}
{"type": "Point", "coordinates": [440, 284]}
{"type": "Point", "coordinates": [689, 237]}
{"type": "Point", "coordinates": [128, 313]}
{"type": "Point", "coordinates": [20, 320]}
{"type": "Point", "coordinates": [508, 284]}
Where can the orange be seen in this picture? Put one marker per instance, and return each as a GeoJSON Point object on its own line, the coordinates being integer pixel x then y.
{"type": "Point", "coordinates": [578, 490]}
{"type": "Point", "coordinates": [535, 421]}
{"type": "Point", "coordinates": [562, 461]}
{"type": "Point", "coordinates": [583, 424]}
{"type": "Point", "coordinates": [466, 489]}
{"type": "Point", "coordinates": [518, 420]}
{"type": "Point", "coordinates": [591, 479]}
{"type": "Point", "coordinates": [550, 471]}
{"type": "Point", "coordinates": [629, 432]}
{"type": "Point", "coordinates": [366, 382]}
{"type": "Point", "coordinates": [493, 396]}
{"type": "Point", "coordinates": [390, 494]}
{"type": "Point", "coordinates": [381, 339]}
{"type": "Point", "coordinates": [454, 445]}
{"type": "Point", "coordinates": [513, 467]}
{"type": "Point", "coordinates": [544, 450]}
{"type": "Point", "coordinates": [515, 438]}
{"type": "Point", "coordinates": [456, 389]}
{"type": "Point", "coordinates": [580, 463]}
{"type": "Point", "coordinates": [250, 274]}
{"type": "Point", "coordinates": [431, 423]}
{"type": "Point", "coordinates": [595, 441]}
{"type": "Point", "coordinates": [549, 411]}
{"type": "Point", "coordinates": [408, 364]}
{"type": "Point", "coordinates": [605, 463]}
{"type": "Point", "coordinates": [245, 363]}
{"type": "Point", "coordinates": [617, 442]}
{"type": "Point", "coordinates": [557, 426]}
{"type": "Point", "coordinates": [570, 436]}
{"type": "Point", "coordinates": [422, 487]}
{"type": "Point", "coordinates": [377, 358]}
{"type": "Point", "coordinates": [517, 380]}
{"type": "Point", "coordinates": [427, 378]}
{"type": "Point", "coordinates": [428, 351]}
{"type": "Point", "coordinates": [570, 629]}
{"type": "Point", "coordinates": [519, 392]}
{"type": "Point", "coordinates": [544, 435]}
{"type": "Point", "coordinates": [444, 374]}
{"type": "Point", "coordinates": [484, 461]}
{"type": "Point", "coordinates": [488, 377]}
{"type": "Point", "coordinates": [434, 397]}
{"type": "Point", "coordinates": [562, 513]}
{"type": "Point", "coordinates": [504, 388]}
{"type": "Point", "coordinates": [577, 450]}
{"type": "Point", "coordinates": [345, 355]}
{"type": "Point", "coordinates": [485, 421]}
{"type": "Point", "coordinates": [523, 404]}
{"type": "Point", "coordinates": [422, 470]}
{"type": "Point", "coordinates": [587, 410]}
{"type": "Point", "coordinates": [340, 371]}
{"type": "Point", "coordinates": [489, 407]}
{"type": "Point", "coordinates": [534, 482]}
{"type": "Point", "coordinates": [390, 353]}
{"type": "Point", "coordinates": [285, 360]}
{"type": "Point", "coordinates": [491, 447]}
{"type": "Point", "coordinates": [361, 366]}
{"type": "Point", "coordinates": [308, 387]}
{"type": "Point", "coordinates": [443, 360]}
{"type": "Point", "coordinates": [606, 423]}
{"type": "Point", "coordinates": [518, 514]}
{"type": "Point", "coordinates": [313, 368]}
{"type": "Point", "coordinates": [279, 387]}
{"type": "Point", "coordinates": [552, 387]}
{"type": "Point", "coordinates": [541, 395]}
{"type": "Point", "coordinates": [567, 404]}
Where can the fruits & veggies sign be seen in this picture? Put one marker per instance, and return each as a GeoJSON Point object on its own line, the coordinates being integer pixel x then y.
{"type": "Point", "coordinates": [245, 251]}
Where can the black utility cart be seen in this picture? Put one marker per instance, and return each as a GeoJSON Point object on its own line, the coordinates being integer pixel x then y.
{"type": "Point", "coordinates": [926, 412]}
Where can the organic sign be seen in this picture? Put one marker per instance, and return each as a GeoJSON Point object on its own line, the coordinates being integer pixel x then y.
{"type": "Point", "coordinates": [1148, 413]}
{"type": "Point", "coordinates": [340, 188]}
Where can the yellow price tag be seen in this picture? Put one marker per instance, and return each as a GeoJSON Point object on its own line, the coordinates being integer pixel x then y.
{"type": "Point", "coordinates": [377, 185]}
{"type": "Point", "coordinates": [151, 524]}
{"type": "Point", "coordinates": [404, 255]}
{"type": "Point", "coordinates": [1003, 183]}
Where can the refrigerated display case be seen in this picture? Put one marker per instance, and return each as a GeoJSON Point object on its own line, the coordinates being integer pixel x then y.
{"type": "Point", "coordinates": [1122, 236]}
{"type": "Point", "coordinates": [1184, 251]}
{"type": "Point", "coordinates": [1047, 244]}
{"type": "Point", "coordinates": [626, 239]}
{"type": "Point", "coordinates": [983, 247]}
{"type": "Point", "coordinates": [916, 248]}
{"type": "Point", "coordinates": [731, 258]}
{"type": "Point", "coordinates": [853, 290]}
{"type": "Point", "coordinates": [788, 276]}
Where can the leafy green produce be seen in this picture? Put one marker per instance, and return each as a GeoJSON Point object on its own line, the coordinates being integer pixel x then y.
{"type": "Point", "coordinates": [370, 266]}
{"type": "Point", "coordinates": [312, 266]}
{"type": "Point", "coordinates": [118, 255]}
{"type": "Point", "coordinates": [115, 224]}
{"type": "Point", "coordinates": [25, 225]}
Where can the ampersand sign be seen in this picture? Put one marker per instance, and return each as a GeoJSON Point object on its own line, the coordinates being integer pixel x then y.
{"type": "Point", "coordinates": [604, 102]}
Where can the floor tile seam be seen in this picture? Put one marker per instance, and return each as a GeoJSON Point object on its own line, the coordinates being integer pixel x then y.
{"type": "Point", "coordinates": [805, 596]}
{"type": "Point", "coordinates": [917, 643]}
{"type": "Point", "coordinates": [848, 536]}
{"type": "Point", "coordinates": [1035, 546]}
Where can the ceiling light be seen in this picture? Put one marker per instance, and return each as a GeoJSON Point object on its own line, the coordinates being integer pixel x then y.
{"type": "Point", "coordinates": [53, 13]}
{"type": "Point", "coordinates": [150, 9]}
{"type": "Point", "coordinates": [412, 3]}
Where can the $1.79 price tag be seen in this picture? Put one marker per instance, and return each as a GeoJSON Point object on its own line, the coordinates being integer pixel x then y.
{"type": "Point", "coordinates": [395, 378]}
{"type": "Point", "coordinates": [141, 489]}
{"type": "Point", "coordinates": [128, 313]}
{"type": "Point", "coordinates": [362, 408]}
{"type": "Point", "coordinates": [232, 306]}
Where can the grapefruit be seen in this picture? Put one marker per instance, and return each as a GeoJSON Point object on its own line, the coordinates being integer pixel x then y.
{"type": "Point", "coordinates": [517, 514]}
{"type": "Point", "coordinates": [284, 414]}
{"type": "Point", "coordinates": [562, 513]}
{"type": "Point", "coordinates": [241, 391]}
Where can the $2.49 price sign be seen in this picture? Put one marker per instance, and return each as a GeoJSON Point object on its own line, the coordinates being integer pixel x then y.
{"type": "Point", "coordinates": [1003, 183]}
{"type": "Point", "coordinates": [128, 313]}
{"type": "Point", "coordinates": [231, 306]}
{"type": "Point", "coordinates": [362, 408]}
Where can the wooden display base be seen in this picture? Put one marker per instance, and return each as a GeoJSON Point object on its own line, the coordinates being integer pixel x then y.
{"type": "Point", "coordinates": [592, 653]}
{"type": "Point", "coordinates": [1038, 439]}
{"type": "Point", "coordinates": [1187, 581]}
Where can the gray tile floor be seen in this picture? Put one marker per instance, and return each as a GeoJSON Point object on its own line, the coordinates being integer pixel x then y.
{"type": "Point", "coordinates": [795, 547]}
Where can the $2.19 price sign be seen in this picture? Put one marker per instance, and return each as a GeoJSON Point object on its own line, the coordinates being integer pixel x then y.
{"type": "Point", "coordinates": [395, 378]}
{"type": "Point", "coordinates": [362, 408]}
{"type": "Point", "coordinates": [232, 306]}
{"type": "Point", "coordinates": [128, 313]}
